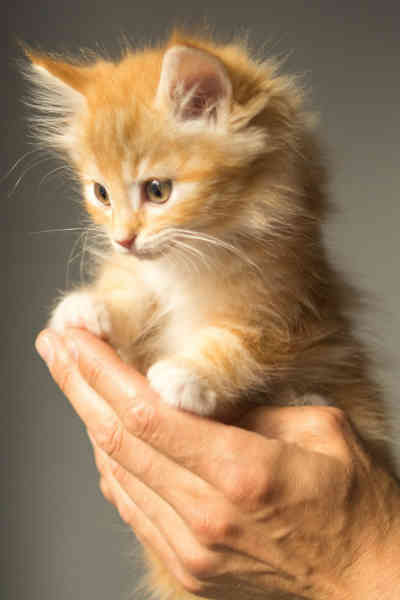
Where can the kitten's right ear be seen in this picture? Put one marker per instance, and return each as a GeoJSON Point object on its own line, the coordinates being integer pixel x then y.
{"type": "Point", "coordinates": [59, 94]}
{"type": "Point", "coordinates": [194, 86]}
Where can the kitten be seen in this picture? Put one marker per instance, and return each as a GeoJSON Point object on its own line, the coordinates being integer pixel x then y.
{"type": "Point", "coordinates": [199, 163]}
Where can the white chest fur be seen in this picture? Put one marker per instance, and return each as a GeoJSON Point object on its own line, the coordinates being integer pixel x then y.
{"type": "Point", "coordinates": [186, 302]}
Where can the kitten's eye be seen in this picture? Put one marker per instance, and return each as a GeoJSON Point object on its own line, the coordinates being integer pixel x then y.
{"type": "Point", "coordinates": [101, 194]}
{"type": "Point", "coordinates": [157, 190]}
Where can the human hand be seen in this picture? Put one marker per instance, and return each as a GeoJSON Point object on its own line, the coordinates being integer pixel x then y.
{"type": "Point", "coordinates": [291, 503]}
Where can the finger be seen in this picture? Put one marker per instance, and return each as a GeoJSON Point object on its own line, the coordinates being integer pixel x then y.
{"type": "Point", "coordinates": [197, 563]}
{"type": "Point", "coordinates": [63, 367]}
{"type": "Point", "coordinates": [146, 532]}
{"type": "Point", "coordinates": [103, 484]}
{"type": "Point", "coordinates": [106, 491]}
{"type": "Point", "coordinates": [178, 486]}
{"type": "Point", "coordinates": [105, 372]}
{"type": "Point", "coordinates": [170, 431]}
{"type": "Point", "coordinates": [236, 462]}
{"type": "Point", "coordinates": [323, 429]}
{"type": "Point", "coordinates": [180, 536]}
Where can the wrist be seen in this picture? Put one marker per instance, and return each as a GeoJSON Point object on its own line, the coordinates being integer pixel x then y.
{"type": "Point", "coordinates": [374, 574]}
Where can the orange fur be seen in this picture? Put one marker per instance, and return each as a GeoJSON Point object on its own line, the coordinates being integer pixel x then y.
{"type": "Point", "coordinates": [255, 311]}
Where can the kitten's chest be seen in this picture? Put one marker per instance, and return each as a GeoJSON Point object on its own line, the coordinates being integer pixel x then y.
{"type": "Point", "coordinates": [185, 306]}
{"type": "Point", "coordinates": [185, 313]}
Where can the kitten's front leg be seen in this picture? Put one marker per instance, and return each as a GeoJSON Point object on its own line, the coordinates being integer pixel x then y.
{"type": "Point", "coordinates": [116, 314]}
{"type": "Point", "coordinates": [209, 375]}
{"type": "Point", "coordinates": [180, 385]}
{"type": "Point", "coordinates": [84, 309]}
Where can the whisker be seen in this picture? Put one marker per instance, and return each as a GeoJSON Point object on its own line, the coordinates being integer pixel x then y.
{"type": "Point", "coordinates": [57, 230]}
{"type": "Point", "coordinates": [20, 178]}
{"type": "Point", "coordinates": [17, 162]}
{"type": "Point", "coordinates": [219, 243]}
{"type": "Point", "coordinates": [72, 257]}
{"type": "Point", "coordinates": [62, 168]}
{"type": "Point", "coordinates": [183, 255]}
{"type": "Point", "coordinates": [193, 250]}
{"type": "Point", "coordinates": [83, 257]}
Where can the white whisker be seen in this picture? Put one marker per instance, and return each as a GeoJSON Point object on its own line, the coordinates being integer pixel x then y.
{"type": "Point", "coordinates": [18, 161]}
{"type": "Point", "coordinates": [27, 170]}
{"type": "Point", "coordinates": [185, 252]}
{"type": "Point", "coordinates": [58, 230]}
{"type": "Point", "coordinates": [83, 256]}
{"type": "Point", "coordinates": [187, 258]}
{"type": "Point", "coordinates": [194, 251]}
{"type": "Point", "coordinates": [203, 237]}
{"type": "Point", "coordinates": [62, 168]}
{"type": "Point", "coordinates": [72, 257]}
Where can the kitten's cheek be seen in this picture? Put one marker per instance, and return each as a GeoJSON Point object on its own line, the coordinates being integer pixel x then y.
{"type": "Point", "coordinates": [82, 309]}
{"type": "Point", "coordinates": [182, 388]}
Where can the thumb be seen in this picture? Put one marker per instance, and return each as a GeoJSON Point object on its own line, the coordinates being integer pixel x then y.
{"type": "Point", "coordinates": [323, 429]}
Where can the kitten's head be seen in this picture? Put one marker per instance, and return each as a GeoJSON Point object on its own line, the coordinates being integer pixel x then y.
{"type": "Point", "coordinates": [193, 139]}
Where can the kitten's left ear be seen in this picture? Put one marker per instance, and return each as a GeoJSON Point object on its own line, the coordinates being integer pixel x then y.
{"type": "Point", "coordinates": [58, 94]}
{"type": "Point", "coordinates": [62, 80]}
{"type": "Point", "coordinates": [194, 85]}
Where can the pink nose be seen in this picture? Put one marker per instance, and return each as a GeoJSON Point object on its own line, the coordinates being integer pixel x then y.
{"type": "Point", "coordinates": [127, 243]}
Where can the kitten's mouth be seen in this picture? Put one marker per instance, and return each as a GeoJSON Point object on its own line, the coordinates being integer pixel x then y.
{"type": "Point", "coordinates": [145, 253]}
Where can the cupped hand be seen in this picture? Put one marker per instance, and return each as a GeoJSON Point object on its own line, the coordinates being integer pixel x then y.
{"type": "Point", "coordinates": [288, 501]}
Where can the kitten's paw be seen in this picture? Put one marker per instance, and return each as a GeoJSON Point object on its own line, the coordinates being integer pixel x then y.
{"type": "Point", "coordinates": [82, 309]}
{"type": "Point", "coordinates": [181, 387]}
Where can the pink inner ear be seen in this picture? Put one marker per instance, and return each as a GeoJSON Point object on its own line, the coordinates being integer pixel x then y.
{"type": "Point", "coordinates": [196, 94]}
{"type": "Point", "coordinates": [195, 83]}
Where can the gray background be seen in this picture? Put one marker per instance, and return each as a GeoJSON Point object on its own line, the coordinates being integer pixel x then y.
{"type": "Point", "coordinates": [62, 540]}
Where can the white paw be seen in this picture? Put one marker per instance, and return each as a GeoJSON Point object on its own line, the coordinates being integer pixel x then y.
{"type": "Point", "coordinates": [182, 388]}
{"type": "Point", "coordinates": [82, 309]}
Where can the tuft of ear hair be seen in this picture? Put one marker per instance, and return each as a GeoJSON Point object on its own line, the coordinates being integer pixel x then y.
{"type": "Point", "coordinates": [58, 95]}
{"type": "Point", "coordinates": [68, 74]}
{"type": "Point", "coordinates": [194, 85]}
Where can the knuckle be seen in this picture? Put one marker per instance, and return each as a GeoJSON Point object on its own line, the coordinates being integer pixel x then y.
{"type": "Point", "coordinates": [199, 563]}
{"type": "Point", "coordinates": [247, 486]}
{"type": "Point", "coordinates": [119, 473]}
{"type": "Point", "coordinates": [109, 436]}
{"type": "Point", "coordinates": [146, 472]}
{"type": "Point", "coordinates": [336, 417]}
{"type": "Point", "coordinates": [192, 585]}
{"type": "Point", "coordinates": [94, 375]}
{"type": "Point", "coordinates": [326, 420]}
{"type": "Point", "coordinates": [215, 526]}
{"type": "Point", "coordinates": [125, 512]}
{"type": "Point", "coordinates": [141, 420]}
{"type": "Point", "coordinates": [64, 379]}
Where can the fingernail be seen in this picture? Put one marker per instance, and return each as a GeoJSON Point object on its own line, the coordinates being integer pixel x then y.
{"type": "Point", "coordinates": [72, 348]}
{"type": "Point", "coordinates": [45, 348]}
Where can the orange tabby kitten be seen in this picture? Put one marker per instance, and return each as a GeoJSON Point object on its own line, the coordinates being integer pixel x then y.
{"type": "Point", "coordinates": [199, 163]}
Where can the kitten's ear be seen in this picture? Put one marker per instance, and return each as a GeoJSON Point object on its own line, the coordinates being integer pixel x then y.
{"type": "Point", "coordinates": [194, 85]}
{"type": "Point", "coordinates": [58, 93]}
{"type": "Point", "coordinates": [60, 79]}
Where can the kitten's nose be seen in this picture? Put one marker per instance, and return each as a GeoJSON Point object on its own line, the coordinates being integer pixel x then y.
{"type": "Point", "coordinates": [127, 243]}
